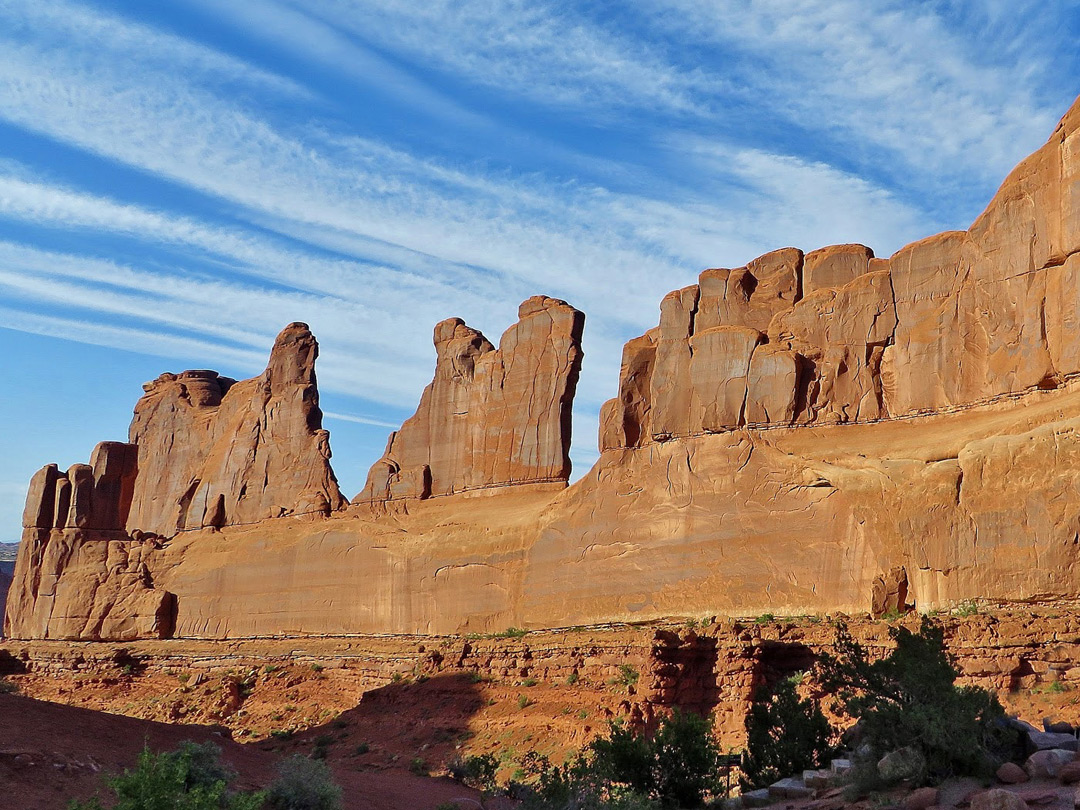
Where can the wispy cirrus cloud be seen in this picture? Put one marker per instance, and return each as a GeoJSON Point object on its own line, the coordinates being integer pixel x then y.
{"type": "Point", "coordinates": [372, 168]}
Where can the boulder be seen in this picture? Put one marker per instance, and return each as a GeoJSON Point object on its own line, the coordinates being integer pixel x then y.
{"type": "Point", "coordinates": [1047, 763]}
{"type": "Point", "coordinates": [901, 765]}
{"type": "Point", "coordinates": [920, 799]}
{"type": "Point", "coordinates": [997, 799]}
{"type": "Point", "coordinates": [1069, 773]}
{"type": "Point", "coordinates": [1011, 774]}
{"type": "Point", "coordinates": [1046, 740]}
{"type": "Point", "coordinates": [790, 787]}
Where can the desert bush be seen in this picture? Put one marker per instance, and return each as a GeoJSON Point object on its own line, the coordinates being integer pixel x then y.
{"type": "Point", "coordinates": [303, 784]}
{"type": "Point", "coordinates": [785, 734]}
{"type": "Point", "coordinates": [475, 771]}
{"type": "Point", "coordinates": [628, 770]}
{"type": "Point", "coordinates": [909, 700]}
{"type": "Point", "coordinates": [190, 778]}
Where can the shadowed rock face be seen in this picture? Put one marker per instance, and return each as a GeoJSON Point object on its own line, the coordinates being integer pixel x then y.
{"type": "Point", "coordinates": [215, 452]}
{"type": "Point", "coordinates": [491, 417]}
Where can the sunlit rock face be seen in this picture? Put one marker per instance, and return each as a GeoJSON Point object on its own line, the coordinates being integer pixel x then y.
{"type": "Point", "coordinates": [490, 417]}
{"type": "Point", "coordinates": [809, 433]}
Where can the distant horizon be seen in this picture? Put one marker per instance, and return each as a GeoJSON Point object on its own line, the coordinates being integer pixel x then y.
{"type": "Point", "coordinates": [178, 182]}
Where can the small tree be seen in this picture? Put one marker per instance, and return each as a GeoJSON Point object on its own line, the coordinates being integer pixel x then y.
{"type": "Point", "coordinates": [785, 734]}
{"type": "Point", "coordinates": [677, 767]}
{"type": "Point", "coordinates": [910, 700]}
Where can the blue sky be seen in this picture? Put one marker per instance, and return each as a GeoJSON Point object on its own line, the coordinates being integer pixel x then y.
{"type": "Point", "coordinates": [179, 180]}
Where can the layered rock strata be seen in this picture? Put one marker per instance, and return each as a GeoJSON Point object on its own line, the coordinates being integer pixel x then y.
{"type": "Point", "coordinates": [838, 336]}
{"type": "Point", "coordinates": [79, 574]}
{"type": "Point", "coordinates": [205, 452]}
{"type": "Point", "coordinates": [216, 452]}
{"type": "Point", "coordinates": [490, 417]}
{"type": "Point", "coordinates": [806, 434]}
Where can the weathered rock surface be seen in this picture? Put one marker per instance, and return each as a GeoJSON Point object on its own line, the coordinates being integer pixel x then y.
{"type": "Point", "coordinates": [215, 452]}
{"type": "Point", "coordinates": [205, 452]}
{"type": "Point", "coordinates": [490, 417]}
{"type": "Point", "coordinates": [909, 436]}
{"type": "Point", "coordinates": [946, 322]}
{"type": "Point", "coordinates": [78, 574]}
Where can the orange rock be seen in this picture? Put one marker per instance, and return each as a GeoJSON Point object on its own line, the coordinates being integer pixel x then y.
{"type": "Point", "coordinates": [490, 417]}
{"type": "Point", "coordinates": [216, 452]}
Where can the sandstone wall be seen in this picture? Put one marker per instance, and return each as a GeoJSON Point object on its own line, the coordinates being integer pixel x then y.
{"type": "Point", "coordinates": [215, 452]}
{"type": "Point", "coordinates": [490, 417]}
{"type": "Point", "coordinates": [715, 667]}
{"type": "Point", "coordinates": [806, 434]}
{"type": "Point", "coordinates": [838, 336]}
{"type": "Point", "coordinates": [78, 573]}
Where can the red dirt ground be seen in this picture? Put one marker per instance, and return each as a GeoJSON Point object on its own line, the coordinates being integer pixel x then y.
{"type": "Point", "coordinates": [50, 754]}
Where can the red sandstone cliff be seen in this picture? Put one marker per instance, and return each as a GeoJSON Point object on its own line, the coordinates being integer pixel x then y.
{"type": "Point", "coordinates": [213, 451]}
{"type": "Point", "coordinates": [491, 417]}
{"type": "Point", "coordinates": [808, 433]}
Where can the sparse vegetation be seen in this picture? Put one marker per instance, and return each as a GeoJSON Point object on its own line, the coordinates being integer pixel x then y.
{"type": "Point", "coordinates": [677, 767]}
{"type": "Point", "coordinates": [8, 688]}
{"type": "Point", "coordinates": [529, 682]}
{"type": "Point", "coordinates": [627, 677]}
{"type": "Point", "coordinates": [572, 678]}
{"type": "Point", "coordinates": [190, 778]}
{"type": "Point", "coordinates": [764, 618]}
{"type": "Point", "coordinates": [523, 701]}
{"type": "Point", "coordinates": [476, 771]}
{"type": "Point", "coordinates": [909, 700]}
{"type": "Point", "coordinates": [511, 632]}
{"type": "Point", "coordinates": [785, 734]}
{"type": "Point", "coordinates": [968, 608]}
{"type": "Point", "coordinates": [419, 767]}
{"type": "Point", "coordinates": [303, 784]}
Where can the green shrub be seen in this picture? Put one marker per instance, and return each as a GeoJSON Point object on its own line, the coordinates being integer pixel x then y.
{"type": "Point", "coordinates": [627, 677]}
{"type": "Point", "coordinates": [523, 701]}
{"type": "Point", "coordinates": [511, 632]}
{"type": "Point", "coordinates": [303, 784]}
{"type": "Point", "coordinates": [572, 678]}
{"type": "Point", "coordinates": [419, 767]}
{"type": "Point", "coordinates": [784, 735]}
{"type": "Point", "coordinates": [910, 700]}
{"type": "Point", "coordinates": [190, 778]}
{"type": "Point", "coordinates": [476, 771]}
{"type": "Point", "coordinates": [676, 767]}
{"type": "Point", "coordinates": [8, 688]}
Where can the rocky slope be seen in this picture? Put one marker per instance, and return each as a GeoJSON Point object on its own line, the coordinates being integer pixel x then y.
{"type": "Point", "coordinates": [808, 433]}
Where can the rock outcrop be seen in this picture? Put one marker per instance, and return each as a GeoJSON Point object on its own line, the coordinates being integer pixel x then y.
{"type": "Point", "coordinates": [78, 574]}
{"type": "Point", "coordinates": [215, 452]}
{"type": "Point", "coordinates": [205, 452]}
{"type": "Point", "coordinates": [809, 433]}
{"type": "Point", "coordinates": [491, 417]}
{"type": "Point", "coordinates": [838, 336]}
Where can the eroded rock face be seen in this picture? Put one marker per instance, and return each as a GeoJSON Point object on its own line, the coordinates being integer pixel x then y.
{"type": "Point", "coordinates": [491, 417]}
{"type": "Point", "coordinates": [78, 574]}
{"type": "Point", "coordinates": [206, 452]}
{"type": "Point", "coordinates": [215, 452]}
{"type": "Point", "coordinates": [958, 318]}
{"type": "Point", "coordinates": [806, 434]}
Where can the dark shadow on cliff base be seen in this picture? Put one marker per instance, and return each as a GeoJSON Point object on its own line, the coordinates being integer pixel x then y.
{"type": "Point", "coordinates": [776, 660]}
{"type": "Point", "coordinates": [414, 724]}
